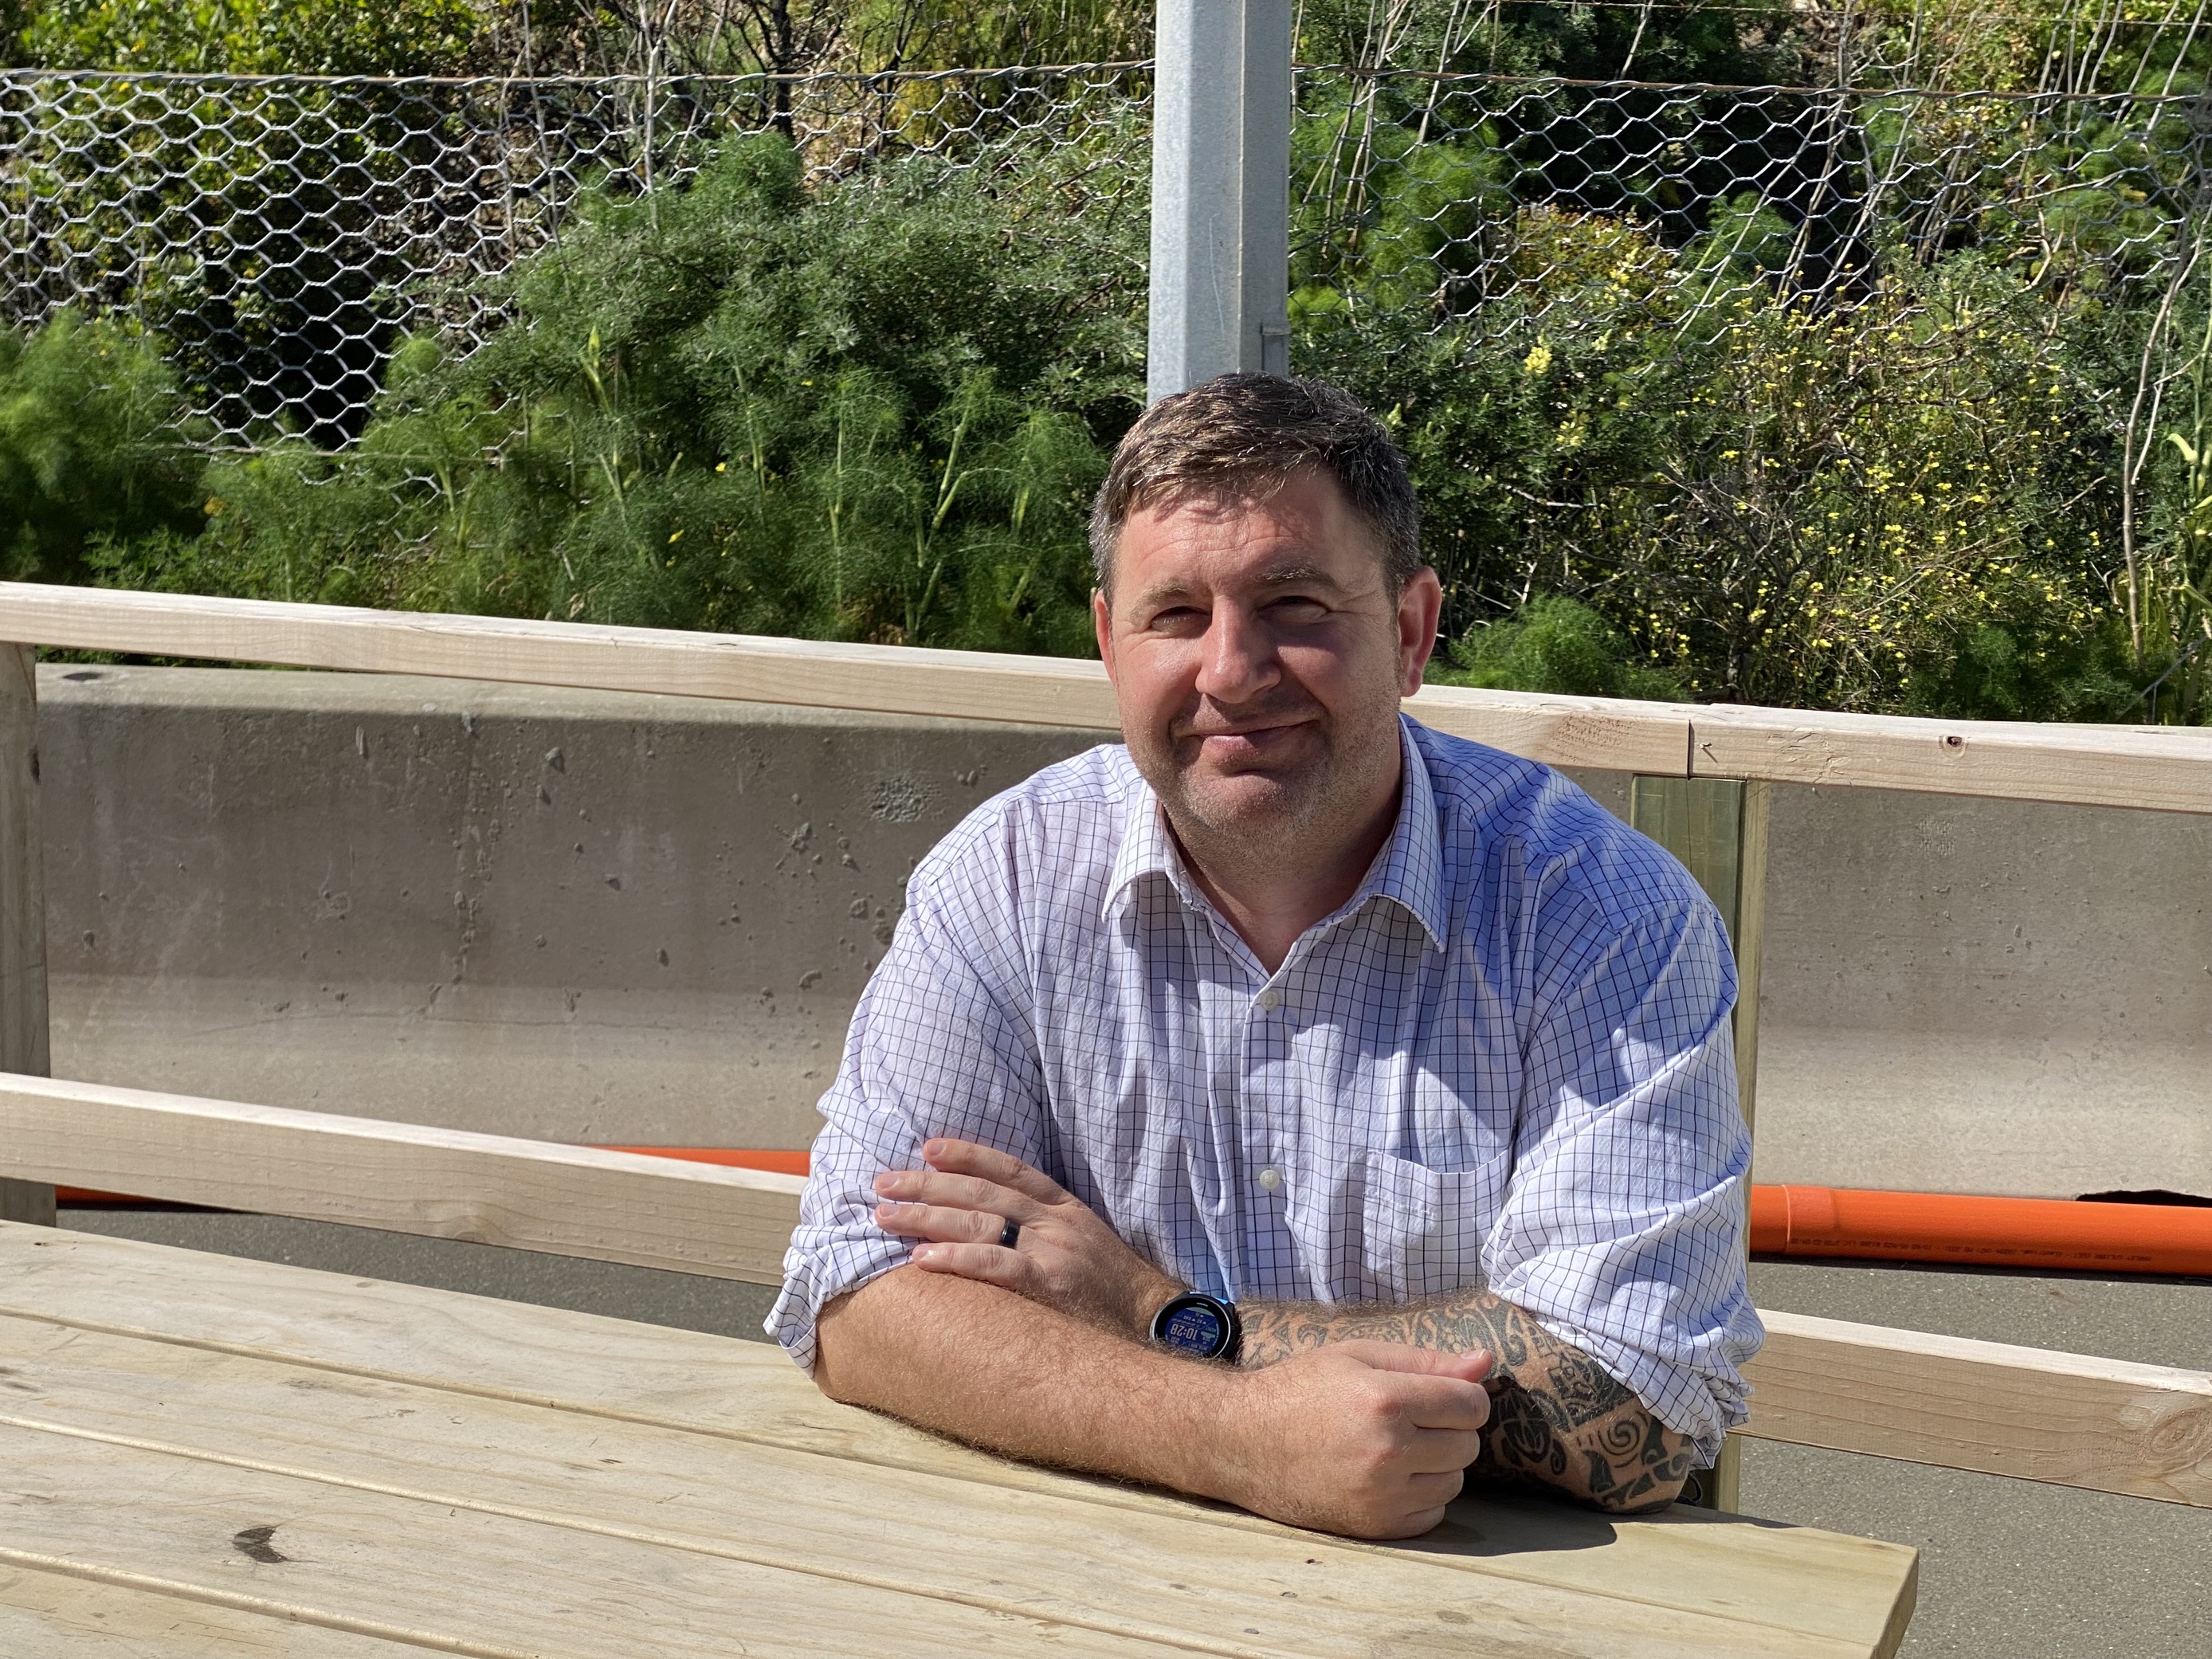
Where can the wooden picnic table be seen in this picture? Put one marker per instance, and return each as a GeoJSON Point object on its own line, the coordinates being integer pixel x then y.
{"type": "Point", "coordinates": [209, 1456]}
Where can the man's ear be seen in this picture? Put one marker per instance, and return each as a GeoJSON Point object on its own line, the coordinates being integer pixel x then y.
{"type": "Point", "coordinates": [1102, 622]}
{"type": "Point", "coordinates": [1419, 605]}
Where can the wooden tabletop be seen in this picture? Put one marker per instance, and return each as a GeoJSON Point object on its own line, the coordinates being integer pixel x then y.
{"type": "Point", "coordinates": [206, 1455]}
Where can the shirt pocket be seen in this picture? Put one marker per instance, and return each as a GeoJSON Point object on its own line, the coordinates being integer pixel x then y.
{"type": "Point", "coordinates": [1423, 1229]}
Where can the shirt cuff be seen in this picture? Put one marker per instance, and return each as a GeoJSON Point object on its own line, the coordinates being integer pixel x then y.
{"type": "Point", "coordinates": [820, 1265]}
{"type": "Point", "coordinates": [1699, 1394]}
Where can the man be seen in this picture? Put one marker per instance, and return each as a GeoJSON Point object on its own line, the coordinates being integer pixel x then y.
{"type": "Point", "coordinates": [1396, 1052]}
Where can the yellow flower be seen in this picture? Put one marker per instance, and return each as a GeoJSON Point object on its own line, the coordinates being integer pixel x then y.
{"type": "Point", "coordinates": [1538, 360]}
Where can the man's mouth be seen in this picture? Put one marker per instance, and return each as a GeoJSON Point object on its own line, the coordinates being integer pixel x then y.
{"type": "Point", "coordinates": [1256, 742]}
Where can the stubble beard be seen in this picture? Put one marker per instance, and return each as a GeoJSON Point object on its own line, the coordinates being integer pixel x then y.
{"type": "Point", "coordinates": [1256, 822]}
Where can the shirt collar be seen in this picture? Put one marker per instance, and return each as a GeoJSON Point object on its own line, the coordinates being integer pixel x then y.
{"type": "Point", "coordinates": [1409, 870]}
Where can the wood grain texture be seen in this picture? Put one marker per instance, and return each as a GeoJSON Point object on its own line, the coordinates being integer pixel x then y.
{"type": "Point", "coordinates": [460, 1580]}
{"type": "Point", "coordinates": [2069, 1419]}
{"type": "Point", "coordinates": [1152, 1576]}
{"type": "Point", "coordinates": [445, 1183]}
{"type": "Point", "coordinates": [375, 1343]}
{"type": "Point", "coordinates": [1608, 733]}
{"type": "Point", "coordinates": [963, 685]}
{"type": "Point", "coordinates": [22, 905]}
{"type": "Point", "coordinates": [51, 1615]}
{"type": "Point", "coordinates": [2159, 768]}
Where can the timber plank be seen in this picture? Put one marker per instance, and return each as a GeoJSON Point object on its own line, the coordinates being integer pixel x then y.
{"type": "Point", "coordinates": [460, 1580]}
{"type": "Point", "coordinates": [710, 1385]}
{"type": "Point", "coordinates": [2068, 1419]}
{"type": "Point", "coordinates": [23, 1044]}
{"type": "Point", "coordinates": [1609, 733]}
{"type": "Point", "coordinates": [2161, 768]}
{"type": "Point", "coordinates": [51, 1614]}
{"type": "Point", "coordinates": [895, 680]}
{"type": "Point", "coordinates": [825, 674]}
{"type": "Point", "coordinates": [401, 1178]}
{"type": "Point", "coordinates": [719, 1496]}
{"type": "Point", "coordinates": [2158, 768]}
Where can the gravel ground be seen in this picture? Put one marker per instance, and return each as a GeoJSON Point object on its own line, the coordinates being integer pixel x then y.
{"type": "Point", "coordinates": [2009, 1569]}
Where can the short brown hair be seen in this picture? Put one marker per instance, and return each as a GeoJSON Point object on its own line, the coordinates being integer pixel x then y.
{"type": "Point", "coordinates": [1247, 431]}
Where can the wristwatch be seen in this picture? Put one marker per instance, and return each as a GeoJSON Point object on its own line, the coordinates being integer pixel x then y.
{"type": "Point", "coordinates": [1204, 1327]}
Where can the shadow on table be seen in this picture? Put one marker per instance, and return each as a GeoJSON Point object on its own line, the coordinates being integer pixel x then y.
{"type": "Point", "coordinates": [1501, 1523]}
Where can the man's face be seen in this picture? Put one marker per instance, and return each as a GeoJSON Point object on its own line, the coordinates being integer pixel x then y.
{"type": "Point", "coordinates": [1258, 657]}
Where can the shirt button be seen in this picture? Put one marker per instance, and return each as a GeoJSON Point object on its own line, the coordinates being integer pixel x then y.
{"type": "Point", "coordinates": [1271, 1179]}
{"type": "Point", "coordinates": [1267, 1001]}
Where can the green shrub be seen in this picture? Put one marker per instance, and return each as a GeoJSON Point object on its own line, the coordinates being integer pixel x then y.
{"type": "Point", "coordinates": [1553, 644]}
{"type": "Point", "coordinates": [90, 447]}
{"type": "Point", "coordinates": [1908, 502]}
{"type": "Point", "coordinates": [877, 412]}
{"type": "Point", "coordinates": [254, 37]}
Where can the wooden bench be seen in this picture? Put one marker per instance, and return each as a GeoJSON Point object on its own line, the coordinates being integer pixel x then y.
{"type": "Point", "coordinates": [210, 1456]}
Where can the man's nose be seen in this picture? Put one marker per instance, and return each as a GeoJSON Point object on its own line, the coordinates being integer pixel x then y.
{"type": "Point", "coordinates": [1239, 658]}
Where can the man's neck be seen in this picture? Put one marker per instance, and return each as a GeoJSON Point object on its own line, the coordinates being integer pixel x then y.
{"type": "Point", "coordinates": [1272, 895]}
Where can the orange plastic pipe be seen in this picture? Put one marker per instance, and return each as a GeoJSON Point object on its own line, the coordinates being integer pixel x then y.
{"type": "Point", "coordinates": [2008, 1232]}
{"type": "Point", "coordinates": [729, 1157]}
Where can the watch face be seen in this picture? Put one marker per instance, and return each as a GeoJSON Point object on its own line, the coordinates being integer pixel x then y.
{"type": "Point", "coordinates": [1195, 1328]}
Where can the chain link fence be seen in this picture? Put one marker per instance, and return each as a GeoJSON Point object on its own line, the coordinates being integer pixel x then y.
{"type": "Point", "coordinates": [1454, 193]}
{"type": "Point", "coordinates": [279, 234]}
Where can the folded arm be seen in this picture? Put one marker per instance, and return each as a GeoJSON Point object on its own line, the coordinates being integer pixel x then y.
{"type": "Point", "coordinates": [1558, 1418]}
{"type": "Point", "coordinates": [1361, 1439]}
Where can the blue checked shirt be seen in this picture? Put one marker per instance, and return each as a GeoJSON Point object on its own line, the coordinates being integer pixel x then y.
{"type": "Point", "coordinates": [1504, 1062]}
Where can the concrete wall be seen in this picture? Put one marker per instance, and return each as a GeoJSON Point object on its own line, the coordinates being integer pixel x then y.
{"type": "Point", "coordinates": [617, 918]}
{"type": "Point", "coordinates": [545, 912]}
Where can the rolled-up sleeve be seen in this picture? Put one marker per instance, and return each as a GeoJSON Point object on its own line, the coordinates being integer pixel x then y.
{"type": "Point", "coordinates": [1622, 1229]}
{"type": "Point", "coordinates": [933, 1050]}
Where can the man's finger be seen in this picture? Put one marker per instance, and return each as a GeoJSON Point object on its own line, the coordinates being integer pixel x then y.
{"type": "Point", "coordinates": [951, 1226]}
{"type": "Point", "coordinates": [954, 1192]}
{"type": "Point", "coordinates": [966, 1158]}
{"type": "Point", "coordinates": [1413, 1525]}
{"type": "Point", "coordinates": [985, 1262]}
{"type": "Point", "coordinates": [1437, 1452]}
{"type": "Point", "coordinates": [1439, 1488]}
{"type": "Point", "coordinates": [1445, 1403]}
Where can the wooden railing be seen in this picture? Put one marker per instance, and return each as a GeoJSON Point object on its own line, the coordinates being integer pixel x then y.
{"type": "Point", "coordinates": [2159, 768]}
{"type": "Point", "coordinates": [2073, 1419]}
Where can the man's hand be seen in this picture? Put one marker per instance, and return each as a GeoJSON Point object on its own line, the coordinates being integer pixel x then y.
{"type": "Point", "coordinates": [1066, 1257]}
{"type": "Point", "coordinates": [1367, 1438]}
{"type": "Point", "coordinates": [1371, 1439]}
{"type": "Point", "coordinates": [1562, 1421]}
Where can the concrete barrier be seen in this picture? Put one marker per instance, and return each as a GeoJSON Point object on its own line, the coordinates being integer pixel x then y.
{"type": "Point", "coordinates": [608, 917]}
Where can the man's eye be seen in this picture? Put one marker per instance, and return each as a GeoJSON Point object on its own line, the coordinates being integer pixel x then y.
{"type": "Point", "coordinates": [1179, 617]}
{"type": "Point", "coordinates": [1295, 607]}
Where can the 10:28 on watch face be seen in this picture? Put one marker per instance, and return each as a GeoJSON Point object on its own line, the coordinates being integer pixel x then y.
{"type": "Point", "coordinates": [1198, 1325]}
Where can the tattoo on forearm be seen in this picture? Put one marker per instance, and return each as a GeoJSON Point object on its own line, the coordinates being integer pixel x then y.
{"type": "Point", "coordinates": [1559, 1419]}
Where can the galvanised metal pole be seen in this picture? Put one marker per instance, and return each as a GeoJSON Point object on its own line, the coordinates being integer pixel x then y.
{"type": "Point", "coordinates": [1221, 193]}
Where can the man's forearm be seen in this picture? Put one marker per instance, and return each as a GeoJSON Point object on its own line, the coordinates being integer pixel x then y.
{"type": "Point", "coordinates": [999, 1371]}
{"type": "Point", "coordinates": [1559, 1419]}
{"type": "Point", "coordinates": [1364, 1438]}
